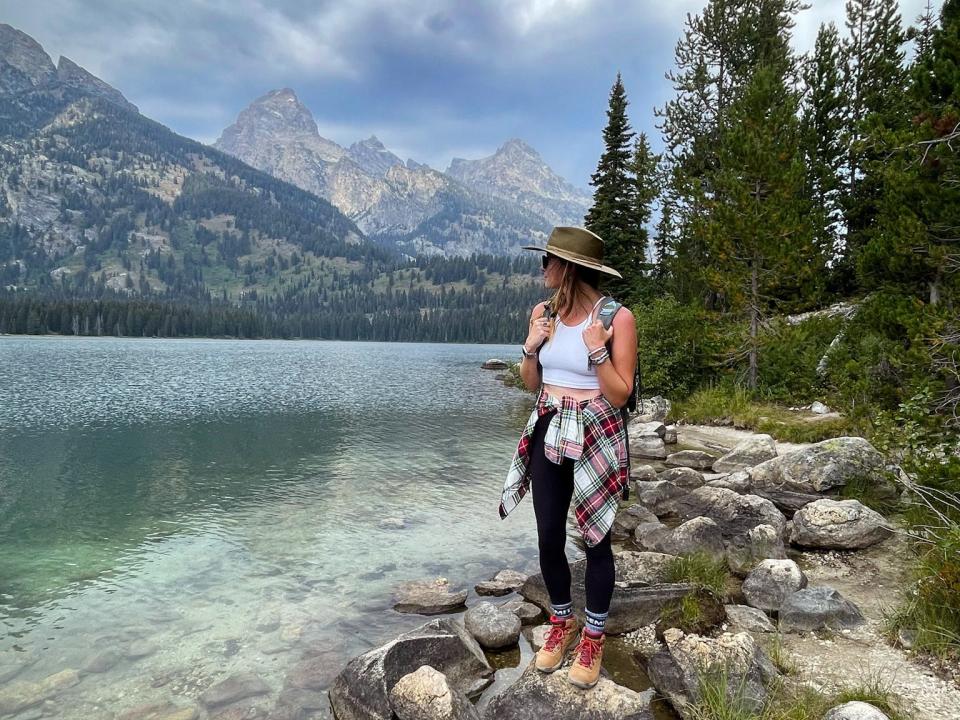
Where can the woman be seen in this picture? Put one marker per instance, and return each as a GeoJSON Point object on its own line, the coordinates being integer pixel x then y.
{"type": "Point", "coordinates": [574, 445]}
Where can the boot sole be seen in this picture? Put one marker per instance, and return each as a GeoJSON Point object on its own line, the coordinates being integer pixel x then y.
{"type": "Point", "coordinates": [584, 686]}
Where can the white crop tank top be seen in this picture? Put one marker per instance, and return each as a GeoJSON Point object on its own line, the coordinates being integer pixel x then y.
{"type": "Point", "coordinates": [564, 357]}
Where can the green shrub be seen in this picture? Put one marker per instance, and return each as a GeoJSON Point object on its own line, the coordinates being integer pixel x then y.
{"type": "Point", "coordinates": [701, 569]}
{"type": "Point", "coordinates": [788, 359]}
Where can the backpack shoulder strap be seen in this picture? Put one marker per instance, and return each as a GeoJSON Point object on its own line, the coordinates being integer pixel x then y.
{"type": "Point", "coordinates": [608, 308]}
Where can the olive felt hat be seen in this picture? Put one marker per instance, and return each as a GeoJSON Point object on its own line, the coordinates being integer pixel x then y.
{"type": "Point", "coordinates": [577, 245]}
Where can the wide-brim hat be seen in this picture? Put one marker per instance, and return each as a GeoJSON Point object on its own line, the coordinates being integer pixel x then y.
{"type": "Point", "coordinates": [577, 245]}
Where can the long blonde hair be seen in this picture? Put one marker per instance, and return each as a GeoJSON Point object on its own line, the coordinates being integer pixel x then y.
{"type": "Point", "coordinates": [568, 292]}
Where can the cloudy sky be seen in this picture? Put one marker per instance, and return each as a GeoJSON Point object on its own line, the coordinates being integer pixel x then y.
{"type": "Point", "coordinates": [433, 79]}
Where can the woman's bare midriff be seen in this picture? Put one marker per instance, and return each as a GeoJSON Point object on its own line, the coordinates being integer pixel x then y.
{"type": "Point", "coordinates": [575, 393]}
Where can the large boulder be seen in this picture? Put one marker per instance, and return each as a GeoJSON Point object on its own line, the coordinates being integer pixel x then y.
{"type": "Point", "coordinates": [838, 524]}
{"type": "Point", "coordinates": [769, 584]}
{"type": "Point", "coordinates": [492, 626]}
{"type": "Point", "coordinates": [697, 459]}
{"type": "Point", "coordinates": [427, 597]}
{"type": "Point", "coordinates": [642, 473]}
{"type": "Point", "coordinates": [656, 428]}
{"type": "Point", "coordinates": [736, 660]}
{"type": "Point", "coordinates": [747, 453]}
{"type": "Point", "coordinates": [651, 409]}
{"type": "Point", "coordinates": [787, 501]}
{"type": "Point", "coordinates": [824, 466]}
{"type": "Point", "coordinates": [647, 447]}
{"type": "Point", "coordinates": [361, 690]}
{"type": "Point", "coordinates": [641, 569]}
{"type": "Point", "coordinates": [683, 477]}
{"type": "Point", "coordinates": [760, 543]}
{"type": "Point", "coordinates": [818, 608]}
{"type": "Point", "coordinates": [633, 604]}
{"type": "Point", "coordinates": [535, 696]}
{"type": "Point", "coordinates": [738, 481]}
{"type": "Point", "coordinates": [627, 519]}
{"type": "Point", "coordinates": [657, 495]}
{"type": "Point", "coordinates": [697, 535]}
{"type": "Point", "coordinates": [425, 694]}
{"type": "Point", "coordinates": [735, 514]}
{"type": "Point", "coordinates": [855, 710]}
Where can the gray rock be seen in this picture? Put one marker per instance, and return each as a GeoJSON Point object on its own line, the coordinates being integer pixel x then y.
{"type": "Point", "coordinates": [787, 502]}
{"type": "Point", "coordinates": [818, 608]}
{"type": "Point", "coordinates": [503, 583]}
{"type": "Point", "coordinates": [697, 459]}
{"type": "Point", "coordinates": [670, 435]}
{"type": "Point", "coordinates": [650, 409]}
{"type": "Point", "coordinates": [627, 519]}
{"type": "Point", "coordinates": [641, 569]}
{"type": "Point", "coordinates": [631, 607]}
{"type": "Point", "coordinates": [818, 408]}
{"type": "Point", "coordinates": [735, 659]}
{"type": "Point", "coordinates": [769, 584]}
{"type": "Point", "coordinates": [236, 687]}
{"type": "Point", "coordinates": [738, 481]}
{"type": "Point", "coordinates": [361, 690]}
{"type": "Point", "coordinates": [646, 447]}
{"type": "Point", "coordinates": [750, 451]}
{"type": "Point", "coordinates": [838, 524]}
{"type": "Point", "coordinates": [20, 695]}
{"type": "Point", "coordinates": [492, 588]}
{"type": "Point", "coordinates": [428, 597]}
{"type": "Point", "coordinates": [855, 710]}
{"type": "Point", "coordinates": [654, 428]}
{"type": "Point", "coordinates": [101, 662]}
{"type": "Point", "coordinates": [425, 694]}
{"type": "Point", "coordinates": [697, 535]}
{"type": "Point", "coordinates": [683, 477]}
{"type": "Point", "coordinates": [760, 543]}
{"type": "Point", "coordinates": [536, 696]}
{"type": "Point", "coordinates": [392, 523]}
{"type": "Point", "coordinates": [492, 626]}
{"type": "Point", "coordinates": [642, 473]}
{"type": "Point", "coordinates": [656, 495]}
{"type": "Point", "coordinates": [824, 466]}
{"type": "Point", "coordinates": [527, 612]}
{"type": "Point", "coordinates": [748, 619]}
{"type": "Point", "coordinates": [735, 514]}
{"type": "Point", "coordinates": [494, 364]}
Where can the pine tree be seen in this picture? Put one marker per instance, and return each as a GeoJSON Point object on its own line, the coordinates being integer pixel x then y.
{"type": "Point", "coordinates": [823, 124]}
{"type": "Point", "coordinates": [612, 212]}
{"type": "Point", "coordinates": [644, 176]}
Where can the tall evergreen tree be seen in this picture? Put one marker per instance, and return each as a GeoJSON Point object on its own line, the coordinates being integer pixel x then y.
{"type": "Point", "coordinates": [645, 178]}
{"type": "Point", "coordinates": [823, 123]}
{"type": "Point", "coordinates": [611, 216]}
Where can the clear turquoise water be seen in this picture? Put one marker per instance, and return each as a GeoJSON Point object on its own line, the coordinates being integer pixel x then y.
{"type": "Point", "coordinates": [222, 501]}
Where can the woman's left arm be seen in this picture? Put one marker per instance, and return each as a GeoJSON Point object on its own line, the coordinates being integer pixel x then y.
{"type": "Point", "coordinates": [616, 374]}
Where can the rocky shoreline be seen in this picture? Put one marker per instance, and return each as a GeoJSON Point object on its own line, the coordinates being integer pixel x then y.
{"type": "Point", "coordinates": [811, 573]}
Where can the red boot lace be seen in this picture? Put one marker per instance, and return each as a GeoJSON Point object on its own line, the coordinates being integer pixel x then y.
{"type": "Point", "coordinates": [587, 650]}
{"type": "Point", "coordinates": [555, 636]}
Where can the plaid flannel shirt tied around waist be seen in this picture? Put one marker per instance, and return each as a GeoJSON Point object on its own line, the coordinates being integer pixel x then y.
{"type": "Point", "coordinates": [591, 433]}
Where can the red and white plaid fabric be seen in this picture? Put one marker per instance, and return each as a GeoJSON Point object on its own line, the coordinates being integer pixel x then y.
{"type": "Point", "coordinates": [592, 434]}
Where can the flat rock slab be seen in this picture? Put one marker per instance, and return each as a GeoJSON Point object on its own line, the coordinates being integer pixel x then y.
{"type": "Point", "coordinates": [537, 696]}
{"type": "Point", "coordinates": [696, 459]}
{"type": "Point", "coordinates": [818, 608]}
{"type": "Point", "coordinates": [361, 690]}
{"type": "Point", "coordinates": [428, 597]}
{"type": "Point", "coordinates": [631, 607]}
{"type": "Point", "coordinates": [641, 569]}
{"type": "Point", "coordinates": [838, 524]}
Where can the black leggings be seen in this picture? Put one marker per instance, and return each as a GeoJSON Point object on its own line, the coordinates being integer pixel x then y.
{"type": "Point", "coordinates": [552, 490]}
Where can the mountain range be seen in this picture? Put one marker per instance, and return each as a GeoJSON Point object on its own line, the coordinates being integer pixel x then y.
{"type": "Point", "coordinates": [491, 205]}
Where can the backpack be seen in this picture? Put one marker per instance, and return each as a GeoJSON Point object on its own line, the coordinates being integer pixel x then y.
{"type": "Point", "coordinates": [608, 309]}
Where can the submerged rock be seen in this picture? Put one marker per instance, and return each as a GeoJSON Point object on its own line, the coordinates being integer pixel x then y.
{"type": "Point", "coordinates": [428, 597]}
{"type": "Point", "coordinates": [236, 687]}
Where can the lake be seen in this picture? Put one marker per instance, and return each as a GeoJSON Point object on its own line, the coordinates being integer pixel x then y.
{"type": "Point", "coordinates": [220, 505]}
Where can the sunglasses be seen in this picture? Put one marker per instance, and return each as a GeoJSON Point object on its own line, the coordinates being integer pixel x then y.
{"type": "Point", "coordinates": [544, 261]}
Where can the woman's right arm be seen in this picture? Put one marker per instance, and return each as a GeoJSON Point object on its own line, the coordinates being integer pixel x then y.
{"type": "Point", "coordinates": [539, 331]}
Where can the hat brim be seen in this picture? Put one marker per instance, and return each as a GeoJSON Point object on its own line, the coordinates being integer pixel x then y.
{"type": "Point", "coordinates": [576, 260]}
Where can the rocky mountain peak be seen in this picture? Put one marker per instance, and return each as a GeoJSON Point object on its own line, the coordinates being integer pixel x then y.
{"type": "Point", "coordinates": [71, 74]}
{"type": "Point", "coordinates": [277, 119]}
{"type": "Point", "coordinates": [372, 156]}
{"type": "Point", "coordinates": [23, 62]}
{"type": "Point", "coordinates": [517, 147]}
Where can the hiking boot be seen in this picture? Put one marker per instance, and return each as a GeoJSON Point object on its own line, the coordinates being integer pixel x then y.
{"type": "Point", "coordinates": [558, 640]}
{"type": "Point", "coordinates": [585, 671]}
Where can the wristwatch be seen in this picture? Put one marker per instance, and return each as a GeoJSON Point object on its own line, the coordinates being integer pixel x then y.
{"type": "Point", "coordinates": [526, 353]}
